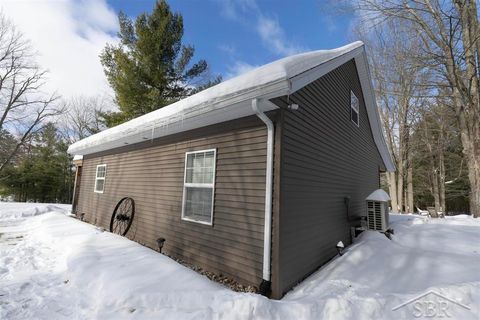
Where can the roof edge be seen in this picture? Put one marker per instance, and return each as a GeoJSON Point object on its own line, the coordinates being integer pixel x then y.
{"type": "Point", "coordinates": [301, 80]}
{"type": "Point", "coordinates": [372, 110]}
{"type": "Point", "coordinates": [205, 108]}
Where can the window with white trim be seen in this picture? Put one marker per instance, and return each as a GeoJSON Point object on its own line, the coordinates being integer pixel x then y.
{"type": "Point", "coordinates": [100, 175]}
{"type": "Point", "coordinates": [199, 185]}
{"type": "Point", "coordinates": [354, 109]}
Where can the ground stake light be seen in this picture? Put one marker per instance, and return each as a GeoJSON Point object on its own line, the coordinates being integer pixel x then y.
{"type": "Point", "coordinates": [340, 247]}
{"type": "Point", "coordinates": [160, 242]}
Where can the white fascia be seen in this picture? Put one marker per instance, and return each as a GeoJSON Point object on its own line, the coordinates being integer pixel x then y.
{"type": "Point", "coordinates": [166, 122]}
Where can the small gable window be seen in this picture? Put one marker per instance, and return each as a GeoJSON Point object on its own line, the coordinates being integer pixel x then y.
{"type": "Point", "coordinates": [354, 109]}
{"type": "Point", "coordinates": [100, 178]}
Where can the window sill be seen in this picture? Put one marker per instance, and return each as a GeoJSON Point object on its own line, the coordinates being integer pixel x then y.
{"type": "Point", "coordinates": [198, 221]}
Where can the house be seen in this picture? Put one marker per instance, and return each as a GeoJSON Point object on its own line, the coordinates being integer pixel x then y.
{"type": "Point", "coordinates": [257, 178]}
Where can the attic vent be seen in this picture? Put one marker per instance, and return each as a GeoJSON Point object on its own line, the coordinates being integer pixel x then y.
{"type": "Point", "coordinates": [377, 211]}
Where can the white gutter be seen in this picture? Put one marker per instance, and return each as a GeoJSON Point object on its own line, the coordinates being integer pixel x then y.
{"type": "Point", "coordinates": [267, 234]}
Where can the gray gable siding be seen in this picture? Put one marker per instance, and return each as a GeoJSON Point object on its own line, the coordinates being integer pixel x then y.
{"type": "Point", "coordinates": [325, 157]}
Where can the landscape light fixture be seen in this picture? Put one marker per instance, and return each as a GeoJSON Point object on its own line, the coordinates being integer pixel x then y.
{"type": "Point", "coordinates": [340, 247]}
{"type": "Point", "coordinates": [160, 242]}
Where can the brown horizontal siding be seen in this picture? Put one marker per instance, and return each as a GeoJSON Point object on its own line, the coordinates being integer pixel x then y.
{"type": "Point", "coordinates": [325, 157]}
{"type": "Point", "coordinates": [152, 174]}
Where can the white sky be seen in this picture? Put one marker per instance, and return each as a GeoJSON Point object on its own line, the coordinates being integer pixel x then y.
{"type": "Point", "coordinates": [68, 36]}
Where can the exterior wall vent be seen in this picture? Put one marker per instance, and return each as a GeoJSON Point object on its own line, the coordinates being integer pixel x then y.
{"type": "Point", "coordinates": [377, 210]}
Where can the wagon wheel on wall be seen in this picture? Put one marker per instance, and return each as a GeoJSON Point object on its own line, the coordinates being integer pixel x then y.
{"type": "Point", "coordinates": [122, 216]}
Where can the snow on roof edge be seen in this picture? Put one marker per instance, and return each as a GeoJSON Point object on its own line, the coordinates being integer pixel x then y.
{"type": "Point", "coordinates": [374, 116]}
{"type": "Point", "coordinates": [263, 76]}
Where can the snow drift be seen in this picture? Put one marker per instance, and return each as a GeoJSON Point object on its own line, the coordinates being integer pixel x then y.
{"type": "Point", "coordinates": [55, 267]}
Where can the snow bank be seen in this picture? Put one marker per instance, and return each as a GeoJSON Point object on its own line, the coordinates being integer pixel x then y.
{"type": "Point", "coordinates": [14, 210]}
{"type": "Point", "coordinates": [55, 267]}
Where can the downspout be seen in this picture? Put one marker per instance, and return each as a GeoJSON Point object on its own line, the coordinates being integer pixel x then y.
{"type": "Point", "coordinates": [265, 286]}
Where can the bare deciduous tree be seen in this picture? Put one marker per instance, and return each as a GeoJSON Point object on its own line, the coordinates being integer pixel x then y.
{"type": "Point", "coordinates": [397, 77]}
{"type": "Point", "coordinates": [450, 36]}
{"type": "Point", "coordinates": [82, 116]}
{"type": "Point", "coordinates": [435, 132]}
{"type": "Point", "coordinates": [23, 104]}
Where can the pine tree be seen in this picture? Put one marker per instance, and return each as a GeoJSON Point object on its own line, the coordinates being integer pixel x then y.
{"type": "Point", "coordinates": [44, 173]}
{"type": "Point", "coordinates": [150, 67]}
{"type": "Point", "coordinates": [7, 144]}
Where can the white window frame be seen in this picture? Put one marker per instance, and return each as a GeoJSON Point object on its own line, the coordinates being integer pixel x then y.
{"type": "Point", "coordinates": [353, 109]}
{"type": "Point", "coordinates": [199, 185]}
{"type": "Point", "coordinates": [100, 178]}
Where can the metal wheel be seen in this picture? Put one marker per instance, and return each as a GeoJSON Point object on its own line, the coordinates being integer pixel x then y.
{"type": "Point", "coordinates": [122, 216]}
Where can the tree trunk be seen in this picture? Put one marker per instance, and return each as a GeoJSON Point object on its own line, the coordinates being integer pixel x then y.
{"type": "Point", "coordinates": [435, 191]}
{"type": "Point", "coordinates": [475, 195]}
{"type": "Point", "coordinates": [441, 159]}
{"type": "Point", "coordinates": [410, 208]}
{"type": "Point", "coordinates": [392, 186]}
{"type": "Point", "coordinates": [473, 162]}
{"type": "Point", "coordinates": [400, 185]}
{"type": "Point", "coordinates": [470, 136]}
{"type": "Point", "coordinates": [467, 97]}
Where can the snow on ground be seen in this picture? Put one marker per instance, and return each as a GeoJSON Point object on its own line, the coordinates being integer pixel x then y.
{"type": "Point", "coordinates": [53, 266]}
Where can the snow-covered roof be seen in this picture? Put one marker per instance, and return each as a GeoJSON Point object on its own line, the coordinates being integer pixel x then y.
{"type": "Point", "coordinates": [378, 195]}
{"type": "Point", "coordinates": [231, 99]}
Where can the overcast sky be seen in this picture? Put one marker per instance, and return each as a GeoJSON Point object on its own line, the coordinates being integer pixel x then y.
{"type": "Point", "coordinates": [232, 35]}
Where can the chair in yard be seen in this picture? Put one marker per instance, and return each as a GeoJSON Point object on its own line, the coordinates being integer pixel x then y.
{"type": "Point", "coordinates": [434, 213]}
{"type": "Point", "coordinates": [423, 212]}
